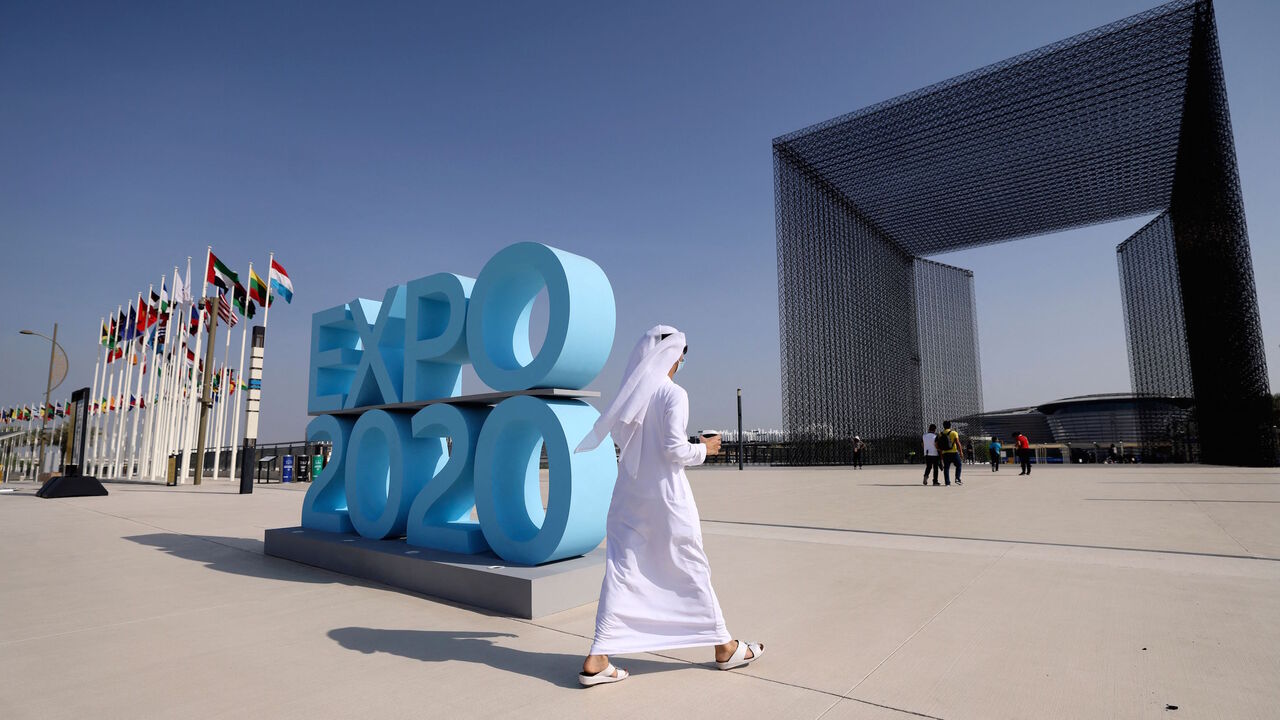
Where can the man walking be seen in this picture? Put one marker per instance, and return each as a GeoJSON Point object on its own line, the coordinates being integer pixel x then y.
{"type": "Point", "coordinates": [949, 446]}
{"type": "Point", "coordinates": [994, 449]}
{"type": "Point", "coordinates": [1024, 452]}
{"type": "Point", "coordinates": [858, 448]}
{"type": "Point", "coordinates": [930, 453]}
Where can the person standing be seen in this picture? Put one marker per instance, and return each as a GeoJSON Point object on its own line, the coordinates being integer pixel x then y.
{"type": "Point", "coordinates": [968, 451]}
{"type": "Point", "coordinates": [1023, 446]}
{"type": "Point", "coordinates": [994, 450]}
{"type": "Point", "coordinates": [656, 593]}
{"type": "Point", "coordinates": [930, 453]}
{"type": "Point", "coordinates": [858, 448]}
{"type": "Point", "coordinates": [949, 447]}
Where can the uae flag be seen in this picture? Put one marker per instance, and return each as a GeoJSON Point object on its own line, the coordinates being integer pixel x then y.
{"type": "Point", "coordinates": [220, 274]}
{"type": "Point", "coordinates": [258, 289]}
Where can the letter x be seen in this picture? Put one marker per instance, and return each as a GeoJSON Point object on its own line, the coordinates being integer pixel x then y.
{"type": "Point", "coordinates": [375, 382]}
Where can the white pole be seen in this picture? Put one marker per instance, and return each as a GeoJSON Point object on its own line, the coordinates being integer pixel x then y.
{"type": "Point", "coordinates": [141, 341]}
{"type": "Point", "coordinates": [220, 420]}
{"type": "Point", "coordinates": [144, 468]}
{"type": "Point", "coordinates": [190, 434]}
{"type": "Point", "coordinates": [235, 405]}
{"type": "Point", "coordinates": [117, 463]}
{"type": "Point", "coordinates": [91, 419]}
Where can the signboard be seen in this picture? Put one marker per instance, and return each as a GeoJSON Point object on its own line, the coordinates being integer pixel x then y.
{"type": "Point", "coordinates": [388, 414]}
{"type": "Point", "coordinates": [286, 469]}
{"type": "Point", "coordinates": [317, 464]}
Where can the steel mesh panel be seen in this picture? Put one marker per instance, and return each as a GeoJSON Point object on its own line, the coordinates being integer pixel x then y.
{"type": "Point", "coordinates": [1159, 362]}
{"type": "Point", "coordinates": [847, 309]}
{"type": "Point", "coordinates": [1127, 119]}
{"type": "Point", "coordinates": [950, 376]}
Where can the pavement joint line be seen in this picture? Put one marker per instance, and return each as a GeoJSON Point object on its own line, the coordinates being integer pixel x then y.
{"type": "Point", "coordinates": [995, 540]}
{"type": "Point", "coordinates": [1217, 524]}
{"type": "Point", "coordinates": [929, 622]}
{"type": "Point", "coordinates": [761, 678]}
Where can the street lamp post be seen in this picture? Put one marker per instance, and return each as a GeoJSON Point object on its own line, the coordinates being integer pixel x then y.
{"type": "Point", "coordinates": [49, 386]}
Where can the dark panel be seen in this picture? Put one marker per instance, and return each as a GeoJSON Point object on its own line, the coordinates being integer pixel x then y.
{"type": "Point", "coordinates": [1224, 333]}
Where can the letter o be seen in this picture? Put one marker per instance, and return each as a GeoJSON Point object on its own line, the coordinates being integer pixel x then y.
{"type": "Point", "coordinates": [385, 471]}
{"type": "Point", "coordinates": [508, 501]}
{"type": "Point", "coordinates": [579, 328]}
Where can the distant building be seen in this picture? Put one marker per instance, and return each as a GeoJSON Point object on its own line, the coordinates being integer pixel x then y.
{"type": "Point", "coordinates": [1148, 427]}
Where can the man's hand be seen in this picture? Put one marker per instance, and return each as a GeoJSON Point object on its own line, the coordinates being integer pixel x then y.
{"type": "Point", "coordinates": [713, 444]}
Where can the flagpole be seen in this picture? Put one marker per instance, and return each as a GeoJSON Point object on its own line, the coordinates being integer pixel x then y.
{"type": "Point", "coordinates": [123, 422]}
{"type": "Point", "coordinates": [266, 312]}
{"type": "Point", "coordinates": [220, 416]}
{"type": "Point", "coordinates": [177, 363]}
{"type": "Point", "coordinates": [235, 406]}
{"type": "Point", "coordinates": [144, 469]}
{"type": "Point", "coordinates": [163, 442]}
{"type": "Point", "coordinates": [189, 434]}
{"type": "Point", "coordinates": [93, 398]}
{"type": "Point", "coordinates": [139, 339]}
{"type": "Point", "coordinates": [108, 385]}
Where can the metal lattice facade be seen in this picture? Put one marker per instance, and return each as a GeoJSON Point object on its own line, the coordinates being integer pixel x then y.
{"type": "Point", "coordinates": [950, 371]}
{"type": "Point", "coordinates": [1125, 120]}
{"type": "Point", "coordinates": [1159, 362]}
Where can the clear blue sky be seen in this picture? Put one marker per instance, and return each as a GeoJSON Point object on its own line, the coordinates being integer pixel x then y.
{"type": "Point", "coordinates": [371, 143]}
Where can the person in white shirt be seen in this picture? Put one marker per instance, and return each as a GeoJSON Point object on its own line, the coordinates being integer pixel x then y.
{"type": "Point", "coordinates": [930, 453]}
{"type": "Point", "coordinates": [657, 591]}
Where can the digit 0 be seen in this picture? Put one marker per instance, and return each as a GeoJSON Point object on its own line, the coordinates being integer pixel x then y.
{"type": "Point", "coordinates": [386, 469]}
{"type": "Point", "coordinates": [508, 498]}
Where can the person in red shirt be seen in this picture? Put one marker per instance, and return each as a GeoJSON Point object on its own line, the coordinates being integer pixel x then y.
{"type": "Point", "coordinates": [1024, 452]}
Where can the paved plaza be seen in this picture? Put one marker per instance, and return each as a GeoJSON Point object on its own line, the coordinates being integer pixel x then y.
{"type": "Point", "coordinates": [1080, 592]}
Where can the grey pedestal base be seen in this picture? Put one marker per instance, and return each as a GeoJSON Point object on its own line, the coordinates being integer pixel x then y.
{"type": "Point", "coordinates": [483, 581]}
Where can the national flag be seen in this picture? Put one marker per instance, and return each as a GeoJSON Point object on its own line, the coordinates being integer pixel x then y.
{"type": "Point", "coordinates": [144, 317]}
{"type": "Point", "coordinates": [154, 308]}
{"type": "Point", "coordinates": [240, 299]}
{"type": "Point", "coordinates": [220, 274]}
{"type": "Point", "coordinates": [280, 283]}
{"type": "Point", "coordinates": [181, 291]}
{"type": "Point", "coordinates": [164, 296]}
{"type": "Point", "coordinates": [225, 312]}
{"type": "Point", "coordinates": [121, 325]}
{"type": "Point", "coordinates": [193, 326]}
{"type": "Point", "coordinates": [131, 327]}
{"type": "Point", "coordinates": [106, 335]}
{"type": "Point", "coordinates": [191, 355]}
{"type": "Point", "coordinates": [258, 289]}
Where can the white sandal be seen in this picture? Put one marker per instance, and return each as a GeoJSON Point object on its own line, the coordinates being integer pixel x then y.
{"type": "Point", "coordinates": [739, 657]}
{"type": "Point", "coordinates": [604, 676]}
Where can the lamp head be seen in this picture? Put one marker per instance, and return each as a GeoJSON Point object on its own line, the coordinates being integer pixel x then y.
{"type": "Point", "coordinates": [25, 332]}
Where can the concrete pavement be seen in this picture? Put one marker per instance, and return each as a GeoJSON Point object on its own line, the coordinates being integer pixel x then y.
{"type": "Point", "coordinates": [1080, 592]}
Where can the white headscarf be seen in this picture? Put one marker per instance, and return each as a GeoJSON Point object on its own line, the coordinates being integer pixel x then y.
{"type": "Point", "coordinates": [647, 367]}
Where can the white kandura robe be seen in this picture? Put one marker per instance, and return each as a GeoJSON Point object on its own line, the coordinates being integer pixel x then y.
{"type": "Point", "coordinates": [657, 591]}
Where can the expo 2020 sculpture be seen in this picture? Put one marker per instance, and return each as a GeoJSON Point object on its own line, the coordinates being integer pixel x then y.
{"type": "Point", "coordinates": [1125, 120]}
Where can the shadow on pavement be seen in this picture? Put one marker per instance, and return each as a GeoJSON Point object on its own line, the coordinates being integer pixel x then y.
{"type": "Point", "coordinates": [479, 647]}
{"type": "Point", "coordinates": [241, 556]}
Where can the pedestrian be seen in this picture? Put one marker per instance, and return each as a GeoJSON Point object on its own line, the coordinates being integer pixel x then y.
{"type": "Point", "coordinates": [969, 454]}
{"type": "Point", "coordinates": [656, 592]}
{"type": "Point", "coordinates": [948, 443]}
{"type": "Point", "coordinates": [1024, 451]}
{"type": "Point", "coordinates": [930, 453]}
{"type": "Point", "coordinates": [994, 450]}
{"type": "Point", "coordinates": [858, 448]}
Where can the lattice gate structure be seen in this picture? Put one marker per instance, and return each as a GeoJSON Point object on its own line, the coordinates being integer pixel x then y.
{"type": "Point", "coordinates": [1126, 120]}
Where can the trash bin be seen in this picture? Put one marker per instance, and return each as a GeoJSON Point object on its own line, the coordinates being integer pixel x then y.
{"type": "Point", "coordinates": [172, 476]}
